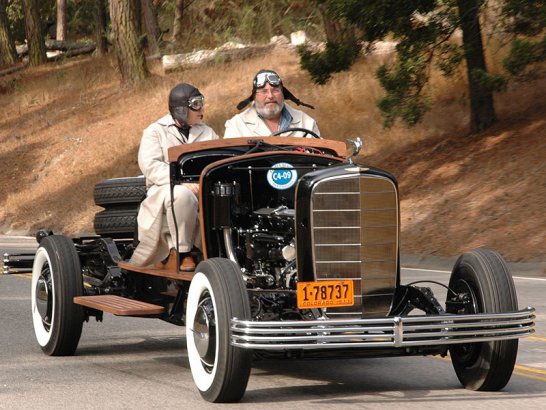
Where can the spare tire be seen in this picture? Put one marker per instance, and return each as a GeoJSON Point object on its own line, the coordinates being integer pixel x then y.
{"type": "Point", "coordinates": [116, 222]}
{"type": "Point", "coordinates": [129, 190]}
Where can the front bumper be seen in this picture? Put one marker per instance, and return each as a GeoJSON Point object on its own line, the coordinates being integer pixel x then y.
{"type": "Point", "coordinates": [407, 331]}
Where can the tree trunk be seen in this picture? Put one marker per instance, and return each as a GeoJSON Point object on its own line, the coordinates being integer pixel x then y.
{"type": "Point", "coordinates": [332, 27]}
{"type": "Point", "coordinates": [7, 46]}
{"type": "Point", "coordinates": [149, 12]}
{"type": "Point", "coordinates": [100, 27]}
{"type": "Point", "coordinates": [33, 30]}
{"type": "Point", "coordinates": [482, 110]}
{"type": "Point", "coordinates": [132, 65]}
{"type": "Point", "coordinates": [61, 20]}
{"type": "Point", "coordinates": [179, 20]}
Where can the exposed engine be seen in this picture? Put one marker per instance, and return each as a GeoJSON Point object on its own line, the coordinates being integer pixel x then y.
{"type": "Point", "coordinates": [262, 243]}
{"type": "Point", "coordinates": [270, 251]}
{"type": "Point", "coordinates": [270, 263]}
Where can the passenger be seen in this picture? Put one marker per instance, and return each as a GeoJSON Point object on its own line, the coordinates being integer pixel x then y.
{"type": "Point", "coordinates": [156, 225]}
{"type": "Point", "coordinates": [268, 112]}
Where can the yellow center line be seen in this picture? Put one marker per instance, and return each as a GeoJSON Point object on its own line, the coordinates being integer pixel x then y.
{"type": "Point", "coordinates": [530, 376]}
{"type": "Point", "coordinates": [23, 275]}
{"type": "Point", "coordinates": [540, 339]}
{"type": "Point", "coordinates": [519, 367]}
{"type": "Point", "coordinates": [530, 369]}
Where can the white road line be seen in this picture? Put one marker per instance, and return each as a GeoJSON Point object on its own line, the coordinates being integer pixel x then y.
{"type": "Point", "coordinates": [528, 278]}
{"type": "Point", "coordinates": [447, 271]}
{"type": "Point", "coordinates": [427, 270]}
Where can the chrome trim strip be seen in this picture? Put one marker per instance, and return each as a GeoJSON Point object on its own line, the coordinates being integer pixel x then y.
{"type": "Point", "coordinates": [395, 331]}
{"type": "Point", "coordinates": [338, 210]}
{"type": "Point", "coordinates": [341, 192]}
{"type": "Point", "coordinates": [318, 245]}
{"type": "Point", "coordinates": [336, 227]}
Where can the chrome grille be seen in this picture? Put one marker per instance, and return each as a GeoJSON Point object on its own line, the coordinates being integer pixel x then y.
{"type": "Point", "coordinates": [355, 236]}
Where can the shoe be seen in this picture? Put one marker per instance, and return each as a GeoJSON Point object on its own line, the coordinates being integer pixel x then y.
{"type": "Point", "coordinates": [187, 264]}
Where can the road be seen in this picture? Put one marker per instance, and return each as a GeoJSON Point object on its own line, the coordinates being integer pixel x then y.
{"type": "Point", "coordinates": [142, 363]}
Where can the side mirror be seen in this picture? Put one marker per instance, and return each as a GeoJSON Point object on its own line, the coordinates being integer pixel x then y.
{"type": "Point", "coordinates": [353, 148]}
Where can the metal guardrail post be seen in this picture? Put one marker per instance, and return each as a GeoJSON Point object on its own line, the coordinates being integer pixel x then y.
{"type": "Point", "coordinates": [17, 263]}
{"type": "Point", "coordinates": [5, 269]}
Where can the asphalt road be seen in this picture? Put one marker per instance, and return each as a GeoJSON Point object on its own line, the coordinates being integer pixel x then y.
{"type": "Point", "coordinates": [142, 363]}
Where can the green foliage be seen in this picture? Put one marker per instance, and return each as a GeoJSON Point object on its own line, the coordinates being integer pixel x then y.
{"type": "Point", "coordinates": [449, 57]}
{"type": "Point", "coordinates": [81, 18]}
{"type": "Point", "coordinates": [16, 17]}
{"type": "Point", "coordinates": [214, 22]}
{"type": "Point", "coordinates": [403, 85]}
{"type": "Point", "coordinates": [337, 57]}
{"type": "Point", "coordinates": [527, 22]}
{"type": "Point", "coordinates": [422, 29]}
{"type": "Point", "coordinates": [523, 54]}
{"type": "Point", "coordinates": [488, 81]}
{"type": "Point", "coordinates": [80, 13]}
{"type": "Point", "coordinates": [524, 17]}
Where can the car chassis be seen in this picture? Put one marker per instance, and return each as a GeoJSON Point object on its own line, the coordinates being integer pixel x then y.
{"type": "Point", "coordinates": [285, 219]}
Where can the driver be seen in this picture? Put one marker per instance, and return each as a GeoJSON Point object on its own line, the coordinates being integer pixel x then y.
{"type": "Point", "coordinates": [268, 112]}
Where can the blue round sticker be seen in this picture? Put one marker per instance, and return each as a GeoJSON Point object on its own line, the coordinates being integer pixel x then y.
{"type": "Point", "coordinates": [283, 176]}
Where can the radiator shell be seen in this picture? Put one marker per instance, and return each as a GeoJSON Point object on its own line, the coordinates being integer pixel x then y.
{"type": "Point", "coordinates": [347, 220]}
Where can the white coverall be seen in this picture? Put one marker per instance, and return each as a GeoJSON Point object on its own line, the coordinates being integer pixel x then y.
{"type": "Point", "coordinates": [249, 124]}
{"type": "Point", "coordinates": [156, 227]}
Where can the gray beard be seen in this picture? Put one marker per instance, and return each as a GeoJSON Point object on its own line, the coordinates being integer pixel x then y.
{"type": "Point", "coordinates": [267, 113]}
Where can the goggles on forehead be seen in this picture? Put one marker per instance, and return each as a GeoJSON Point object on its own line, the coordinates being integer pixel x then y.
{"type": "Point", "coordinates": [196, 103]}
{"type": "Point", "coordinates": [269, 77]}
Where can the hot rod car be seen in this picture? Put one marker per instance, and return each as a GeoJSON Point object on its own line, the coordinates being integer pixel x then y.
{"type": "Point", "coordinates": [300, 258]}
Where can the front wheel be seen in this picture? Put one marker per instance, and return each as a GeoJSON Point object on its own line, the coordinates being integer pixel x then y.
{"type": "Point", "coordinates": [483, 281]}
{"type": "Point", "coordinates": [217, 293]}
{"type": "Point", "coordinates": [56, 279]}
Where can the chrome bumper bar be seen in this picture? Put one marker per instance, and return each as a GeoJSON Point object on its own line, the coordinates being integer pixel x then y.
{"type": "Point", "coordinates": [445, 329]}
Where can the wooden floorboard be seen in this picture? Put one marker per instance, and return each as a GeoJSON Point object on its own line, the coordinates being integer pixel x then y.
{"type": "Point", "coordinates": [153, 270]}
{"type": "Point", "coordinates": [118, 305]}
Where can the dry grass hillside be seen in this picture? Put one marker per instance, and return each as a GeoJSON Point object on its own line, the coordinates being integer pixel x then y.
{"type": "Point", "coordinates": [66, 126]}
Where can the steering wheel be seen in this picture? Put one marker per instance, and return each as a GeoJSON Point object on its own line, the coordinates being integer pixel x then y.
{"type": "Point", "coordinates": [304, 130]}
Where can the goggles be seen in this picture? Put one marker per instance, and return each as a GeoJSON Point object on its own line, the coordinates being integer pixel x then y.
{"type": "Point", "coordinates": [196, 103]}
{"type": "Point", "coordinates": [269, 77]}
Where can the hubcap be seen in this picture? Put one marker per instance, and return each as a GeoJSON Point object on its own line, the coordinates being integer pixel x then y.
{"type": "Point", "coordinates": [467, 353]}
{"type": "Point", "coordinates": [43, 296]}
{"type": "Point", "coordinates": [204, 331]}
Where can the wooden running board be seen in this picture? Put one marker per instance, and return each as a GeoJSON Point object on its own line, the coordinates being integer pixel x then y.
{"type": "Point", "coordinates": [155, 271]}
{"type": "Point", "coordinates": [165, 270]}
{"type": "Point", "coordinates": [118, 305]}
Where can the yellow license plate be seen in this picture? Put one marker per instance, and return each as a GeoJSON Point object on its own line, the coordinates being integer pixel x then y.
{"type": "Point", "coordinates": [326, 293]}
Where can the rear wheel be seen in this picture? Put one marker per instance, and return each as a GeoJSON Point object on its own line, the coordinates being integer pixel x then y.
{"type": "Point", "coordinates": [56, 279]}
{"type": "Point", "coordinates": [486, 283]}
{"type": "Point", "coordinates": [217, 293]}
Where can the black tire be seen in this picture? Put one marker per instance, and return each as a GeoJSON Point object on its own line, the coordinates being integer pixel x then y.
{"type": "Point", "coordinates": [115, 191]}
{"type": "Point", "coordinates": [217, 293]}
{"type": "Point", "coordinates": [484, 276]}
{"type": "Point", "coordinates": [56, 280]}
{"type": "Point", "coordinates": [116, 222]}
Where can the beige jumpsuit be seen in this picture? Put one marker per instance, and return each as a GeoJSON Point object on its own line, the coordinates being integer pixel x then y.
{"type": "Point", "coordinates": [156, 226]}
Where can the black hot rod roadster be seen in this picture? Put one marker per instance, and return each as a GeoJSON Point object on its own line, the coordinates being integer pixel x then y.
{"type": "Point", "coordinates": [300, 258]}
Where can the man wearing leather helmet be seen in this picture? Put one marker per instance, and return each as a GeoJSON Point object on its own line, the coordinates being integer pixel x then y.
{"type": "Point", "coordinates": [156, 225]}
{"type": "Point", "coordinates": [268, 112]}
